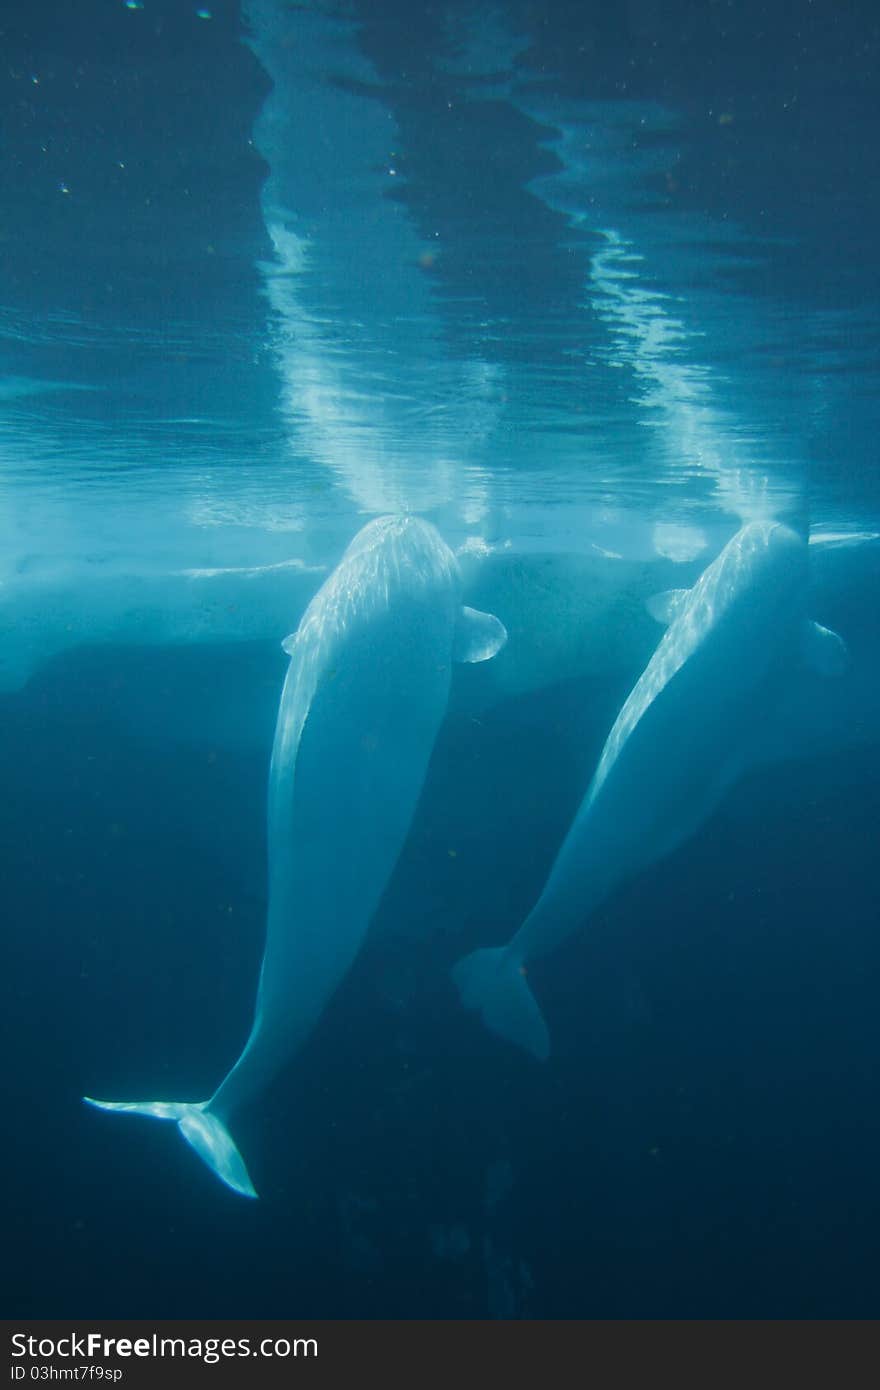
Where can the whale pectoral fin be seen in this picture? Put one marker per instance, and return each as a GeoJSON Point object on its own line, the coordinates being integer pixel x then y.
{"type": "Point", "coordinates": [478, 636]}
{"type": "Point", "coordinates": [664, 607]}
{"type": "Point", "coordinates": [288, 643]}
{"type": "Point", "coordinates": [494, 983]}
{"type": "Point", "coordinates": [823, 651]}
{"type": "Point", "coordinates": [201, 1129]}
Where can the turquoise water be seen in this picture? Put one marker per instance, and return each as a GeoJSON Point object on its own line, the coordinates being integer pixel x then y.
{"type": "Point", "coordinates": [587, 290]}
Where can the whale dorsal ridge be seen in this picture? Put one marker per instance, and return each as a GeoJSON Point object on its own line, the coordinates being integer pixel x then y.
{"type": "Point", "coordinates": [478, 636]}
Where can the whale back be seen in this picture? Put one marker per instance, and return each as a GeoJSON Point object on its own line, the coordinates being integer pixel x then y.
{"type": "Point", "coordinates": [365, 693]}
{"type": "Point", "coordinates": [753, 591]}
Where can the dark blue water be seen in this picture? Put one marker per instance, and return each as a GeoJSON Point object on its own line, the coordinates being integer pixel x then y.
{"type": "Point", "coordinates": [704, 1141]}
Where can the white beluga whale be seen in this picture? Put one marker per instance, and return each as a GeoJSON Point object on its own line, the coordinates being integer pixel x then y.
{"type": "Point", "coordinates": [682, 737]}
{"type": "Point", "coordinates": [365, 693]}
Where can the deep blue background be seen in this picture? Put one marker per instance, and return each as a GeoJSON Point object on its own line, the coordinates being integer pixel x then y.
{"type": "Point", "coordinates": [703, 1142]}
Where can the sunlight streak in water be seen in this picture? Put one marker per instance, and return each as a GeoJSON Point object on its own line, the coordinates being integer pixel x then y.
{"type": "Point", "coordinates": [677, 393]}
{"type": "Point", "coordinates": [368, 388]}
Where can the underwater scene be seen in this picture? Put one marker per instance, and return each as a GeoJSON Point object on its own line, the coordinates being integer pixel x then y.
{"type": "Point", "coordinates": [440, 661]}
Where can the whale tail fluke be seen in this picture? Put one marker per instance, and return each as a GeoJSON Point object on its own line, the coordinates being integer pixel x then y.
{"type": "Point", "coordinates": [494, 983]}
{"type": "Point", "coordinates": [201, 1129]}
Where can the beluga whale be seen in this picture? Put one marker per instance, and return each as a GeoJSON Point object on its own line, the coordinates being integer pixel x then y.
{"type": "Point", "coordinates": [365, 693]}
{"type": "Point", "coordinates": [682, 737]}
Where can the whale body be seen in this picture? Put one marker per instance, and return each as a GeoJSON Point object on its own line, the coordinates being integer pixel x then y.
{"type": "Point", "coordinates": [682, 737]}
{"type": "Point", "coordinates": [365, 693]}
